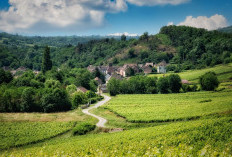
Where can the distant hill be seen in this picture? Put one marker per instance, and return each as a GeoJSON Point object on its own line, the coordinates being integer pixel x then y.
{"type": "Point", "coordinates": [226, 29]}
{"type": "Point", "coordinates": [184, 47]}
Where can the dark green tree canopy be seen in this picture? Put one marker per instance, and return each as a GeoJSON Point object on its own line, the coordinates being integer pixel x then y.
{"type": "Point", "coordinates": [209, 81]}
{"type": "Point", "coordinates": [46, 62]}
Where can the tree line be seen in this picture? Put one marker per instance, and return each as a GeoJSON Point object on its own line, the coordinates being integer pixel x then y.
{"type": "Point", "coordinates": [163, 85]}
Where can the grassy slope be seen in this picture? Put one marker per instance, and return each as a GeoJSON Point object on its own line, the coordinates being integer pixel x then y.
{"type": "Point", "coordinates": [155, 108]}
{"type": "Point", "coordinates": [20, 133]}
{"type": "Point", "coordinates": [224, 73]}
{"type": "Point", "coordinates": [205, 137]}
{"type": "Point", "coordinates": [24, 128]}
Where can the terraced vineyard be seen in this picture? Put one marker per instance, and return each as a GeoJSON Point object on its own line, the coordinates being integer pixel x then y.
{"type": "Point", "coordinates": [170, 107]}
{"type": "Point", "coordinates": [207, 137]}
{"type": "Point", "coordinates": [20, 133]}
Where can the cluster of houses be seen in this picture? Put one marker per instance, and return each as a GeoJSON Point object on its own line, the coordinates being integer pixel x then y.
{"type": "Point", "coordinates": [122, 70]}
{"type": "Point", "coordinates": [119, 72]}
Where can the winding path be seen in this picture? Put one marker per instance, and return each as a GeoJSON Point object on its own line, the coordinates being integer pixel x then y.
{"type": "Point", "coordinates": [102, 121]}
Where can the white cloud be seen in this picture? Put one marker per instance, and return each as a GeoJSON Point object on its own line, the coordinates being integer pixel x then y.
{"type": "Point", "coordinates": [212, 23]}
{"type": "Point", "coordinates": [38, 15]}
{"type": "Point", "coordinates": [125, 33]}
{"type": "Point", "coordinates": [170, 23]}
{"type": "Point", "coordinates": [41, 16]}
{"type": "Point", "coordinates": [156, 2]}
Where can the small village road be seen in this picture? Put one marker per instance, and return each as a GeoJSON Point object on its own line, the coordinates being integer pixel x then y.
{"type": "Point", "coordinates": [102, 121]}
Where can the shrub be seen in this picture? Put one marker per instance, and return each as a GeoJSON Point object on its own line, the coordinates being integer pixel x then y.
{"type": "Point", "coordinates": [71, 89]}
{"type": "Point", "coordinates": [83, 128]}
{"type": "Point", "coordinates": [113, 86]}
{"type": "Point", "coordinates": [209, 81]}
{"type": "Point", "coordinates": [78, 99]}
{"type": "Point", "coordinates": [163, 85]}
{"type": "Point", "coordinates": [174, 81]}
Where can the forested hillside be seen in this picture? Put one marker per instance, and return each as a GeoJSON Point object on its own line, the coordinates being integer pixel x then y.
{"type": "Point", "coordinates": [184, 47]}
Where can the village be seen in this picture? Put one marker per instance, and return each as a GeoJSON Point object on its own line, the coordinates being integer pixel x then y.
{"type": "Point", "coordinates": [120, 72]}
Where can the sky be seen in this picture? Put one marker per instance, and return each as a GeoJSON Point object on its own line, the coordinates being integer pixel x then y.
{"type": "Point", "coordinates": [110, 17]}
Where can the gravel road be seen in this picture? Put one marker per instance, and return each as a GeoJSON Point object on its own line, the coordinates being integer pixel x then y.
{"type": "Point", "coordinates": [102, 121]}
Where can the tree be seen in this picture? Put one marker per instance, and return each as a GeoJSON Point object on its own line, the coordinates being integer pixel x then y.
{"type": "Point", "coordinates": [130, 72]}
{"type": "Point", "coordinates": [27, 103]}
{"type": "Point", "coordinates": [163, 85]}
{"type": "Point", "coordinates": [123, 37]}
{"type": "Point", "coordinates": [209, 81]}
{"type": "Point", "coordinates": [145, 36]}
{"type": "Point", "coordinates": [174, 81]}
{"type": "Point", "coordinates": [46, 62]}
{"type": "Point", "coordinates": [113, 87]}
{"type": "Point", "coordinates": [78, 99]}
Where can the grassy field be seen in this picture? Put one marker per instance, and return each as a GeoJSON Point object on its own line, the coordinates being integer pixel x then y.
{"type": "Point", "coordinates": [208, 137]}
{"type": "Point", "coordinates": [184, 124]}
{"type": "Point", "coordinates": [20, 133]}
{"type": "Point", "coordinates": [224, 73]}
{"type": "Point", "coordinates": [170, 107]}
{"type": "Point", "coordinates": [74, 115]}
{"type": "Point", "coordinates": [24, 128]}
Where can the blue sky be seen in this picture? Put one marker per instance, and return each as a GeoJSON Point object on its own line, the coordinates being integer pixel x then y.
{"type": "Point", "coordinates": [103, 17]}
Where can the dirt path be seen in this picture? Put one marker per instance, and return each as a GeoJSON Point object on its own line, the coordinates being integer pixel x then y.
{"type": "Point", "coordinates": [102, 121]}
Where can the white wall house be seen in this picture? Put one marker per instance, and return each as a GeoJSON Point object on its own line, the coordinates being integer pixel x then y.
{"type": "Point", "coordinates": [161, 68]}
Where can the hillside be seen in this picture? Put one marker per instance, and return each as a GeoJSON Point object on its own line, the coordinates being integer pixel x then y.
{"type": "Point", "coordinates": [226, 29]}
{"type": "Point", "coordinates": [187, 47]}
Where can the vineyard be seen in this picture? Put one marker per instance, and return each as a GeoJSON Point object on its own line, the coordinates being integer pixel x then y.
{"type": "Point", "coordinates": [224, 73]}
{"type": "Point", "coordinates": [170, 107]}
{"type": "Point", "coordinates": [208, 137]}
{"type": "Point", "coordinates": [20, 133]}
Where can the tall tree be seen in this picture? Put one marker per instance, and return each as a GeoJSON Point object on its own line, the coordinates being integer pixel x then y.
{"type": "Point", "coordinates": [123, 37]}
{"type": "Point", "coordinates": [46, 62]}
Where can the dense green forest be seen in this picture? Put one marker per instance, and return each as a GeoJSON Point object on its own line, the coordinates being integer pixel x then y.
{"type": "Point", "coordinates": [184, 47]}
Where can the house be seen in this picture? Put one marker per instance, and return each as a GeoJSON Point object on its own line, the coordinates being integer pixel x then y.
{"type": "Point", "coordinates": [127, 66]}
{"type": "Point", "coordinates": [107, 77]}
{"type": "Point", "coordinates": [149, 64]}
{"type": "Point", "coordinates": [98, 80]}
{"type": "Point", "coordinates": [82, 89]}
{"type": "Point", "coordinates": [103, 69]}
{"type": "Point", "coordinates": [91, 68]}
{"type": "Point", "coordinates": [103, 89]}
{"type": "Point", "coordinates": [147, 69]}
{"type": "Point", "coordinates": [161, 68]}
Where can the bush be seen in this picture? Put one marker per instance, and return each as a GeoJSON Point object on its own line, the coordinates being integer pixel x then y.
{"type": "Point", "coordinates": [209, 81]}
{"type": "Point", "coordinates": [78, 99]}
{"type": "Point", "coordinates": [174, 81]}
{"type": "Point", "coordinates": [83, 128]}
{"type": "Point", "coordinates": [163, 85]}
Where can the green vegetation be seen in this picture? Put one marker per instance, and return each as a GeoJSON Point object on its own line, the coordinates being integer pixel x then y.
{"type": "Point", "coordinates": [202, 137]}
{"type": "Point", "coordinates": [83, 128]}
{"type": "Point", "coordinates": [46, 61]}
{"type": "Point", "coordinates": [223, 72]}
{"type": "Point", "coordinates": [170, 107]}
{"type": "Point", "coordinates": [20, 133]}
{"type": "Point", "coordinates": [187, 47]}
{"type": "Point", "coordinates": [209, 81]}
{"type": "Point", "coordinates": [46, 92]}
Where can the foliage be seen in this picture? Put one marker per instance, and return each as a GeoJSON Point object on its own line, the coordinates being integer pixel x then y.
{"type": "Point", "coordinates": [113, 86]}
{"type": "Point", "coordinates": [23, 133]}
{"type": "Point", "coordinates": [207, 137]}
{"type": "Point", "coordinates": [83, 128]}
{"type": "Point", "coordinates": [46, 62]}
{"type": "Point", "coordinates": [164, 107]}
{"type": "Point", "coordinates": [209, 81]}
{"type": "Point", "coordinates": [163, 85]}
{"type": "Point", "coordinates": [175, 84]}
{"type": "Point", "coordinates": [5, 76]}
{"type": "Point", "coordinates": [78, 99]}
